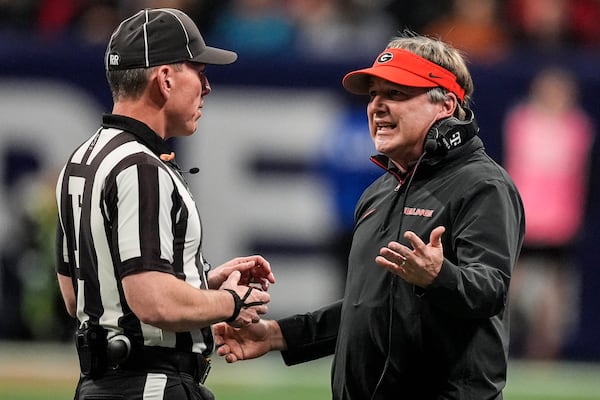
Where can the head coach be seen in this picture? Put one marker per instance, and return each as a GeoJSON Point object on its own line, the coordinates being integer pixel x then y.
{"type": "Point", "coordinates": [425, 311]}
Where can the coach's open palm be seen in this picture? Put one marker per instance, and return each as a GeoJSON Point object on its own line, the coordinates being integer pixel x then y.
{"type": "Point", "coordinates": [252, 341]}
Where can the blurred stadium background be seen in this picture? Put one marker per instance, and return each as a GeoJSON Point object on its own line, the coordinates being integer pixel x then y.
{"type": "Point", "coordinates": [266, 147]}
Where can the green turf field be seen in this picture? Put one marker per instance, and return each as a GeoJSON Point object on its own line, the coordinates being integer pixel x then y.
{"type": "Point", "coordinates": [36, 372]}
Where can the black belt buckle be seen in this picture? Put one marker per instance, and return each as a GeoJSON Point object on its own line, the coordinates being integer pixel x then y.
{"type": "Point", "coordinates": [203, 368]}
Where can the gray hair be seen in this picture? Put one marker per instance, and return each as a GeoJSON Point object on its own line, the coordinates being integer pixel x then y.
{"type": "Point", "coordinates": [442, 54]}
{"type": "Point", "coordinates": [130, 83]}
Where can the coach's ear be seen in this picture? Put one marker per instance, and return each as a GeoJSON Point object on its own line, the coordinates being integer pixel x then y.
{"type": "Point", "coordinates": [448, 106]}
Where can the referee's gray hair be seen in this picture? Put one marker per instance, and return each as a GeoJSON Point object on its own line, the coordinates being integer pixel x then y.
{"type": "Point", "coordinates": [130, 83]}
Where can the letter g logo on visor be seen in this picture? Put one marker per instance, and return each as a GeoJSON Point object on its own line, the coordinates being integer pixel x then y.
{"type": "Point", "coordinates": [385, 57]}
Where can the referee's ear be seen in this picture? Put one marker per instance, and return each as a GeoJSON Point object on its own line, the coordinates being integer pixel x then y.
{"type": "Point", "coordinates": [162, 78]}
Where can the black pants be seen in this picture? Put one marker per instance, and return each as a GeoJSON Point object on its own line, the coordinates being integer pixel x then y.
{"type": "Point", "coordinates": [137, 385]}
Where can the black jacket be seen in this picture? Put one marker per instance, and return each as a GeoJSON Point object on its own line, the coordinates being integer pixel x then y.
{"type": "Point", "coordinates": [450, 340]}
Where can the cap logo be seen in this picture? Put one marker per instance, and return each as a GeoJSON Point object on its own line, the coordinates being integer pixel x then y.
{"type": "Point", "coordinates": [113, 59]}
{"type": "Point", "coordinates": [385, 57]}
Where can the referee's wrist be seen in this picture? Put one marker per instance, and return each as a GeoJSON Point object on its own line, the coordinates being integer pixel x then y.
{"type": "Point", "coordinates": [237, 305]}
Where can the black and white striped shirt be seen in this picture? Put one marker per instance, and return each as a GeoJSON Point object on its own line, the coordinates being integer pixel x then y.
{"type": "Point", "coordinates": [123, 210]}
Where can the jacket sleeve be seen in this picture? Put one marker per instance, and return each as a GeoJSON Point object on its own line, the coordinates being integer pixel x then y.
{"type": "Point", "coordinates": [484, 242]}
{"type": "Point", "coordinates": [312, 335]}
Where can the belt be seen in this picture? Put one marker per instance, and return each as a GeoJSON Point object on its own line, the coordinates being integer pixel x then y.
{"type": "Point", "coordinates": [161, 358]}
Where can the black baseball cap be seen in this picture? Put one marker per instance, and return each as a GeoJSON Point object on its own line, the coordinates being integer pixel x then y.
{"type": "Point", "coordinates": [160, 36]}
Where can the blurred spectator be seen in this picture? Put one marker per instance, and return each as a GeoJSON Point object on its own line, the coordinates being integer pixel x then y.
{"type": "Point", "coordinates": [89, 21]}
{"type": "Point", "coordinates": [203, 12]}
{"type": "Point", "coordinates": [43, 307]}
{"type": "Point", "coordinates": [555, 24]}
{"type": "Point", "coordinates": [585, 15]}
{"type": "Point", "coordinates": [346, 167]}
{"type": "Point", "coordinates": [96, 21]}
{"type": "Point", "coordinates": [324, 24]}
{"type": "Point", "coordinates": [129, 6]}
{"type": "Point", "coordinates": [548, 138]}
{"type": "Point", "coordinates": [19, 167]}
{"type": "Point", "coordinates": [415, 14]}
{"type": "Point", "coordinates": [30, 304]}
{"type": "Point", "coordinates": [17, 15]}
{"type": "Point", "coordinates": [333, 29]}
{"type": "Point", "coordinates": [55, 17]}
{"type": "Point", "coordinates": [475, 27]}
{"type": "Point", "coordinates": [253, 27]}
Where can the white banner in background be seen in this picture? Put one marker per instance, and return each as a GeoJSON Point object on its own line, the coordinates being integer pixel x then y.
{"type": "Point", "coordinates": [44, 121]}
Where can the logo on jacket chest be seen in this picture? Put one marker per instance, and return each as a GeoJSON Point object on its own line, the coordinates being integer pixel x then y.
{"type": "Point", "coordinates": [418, 212]}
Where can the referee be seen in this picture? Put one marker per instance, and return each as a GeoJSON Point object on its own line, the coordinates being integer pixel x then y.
{"type": "Point", "coordinates": [129, 260]}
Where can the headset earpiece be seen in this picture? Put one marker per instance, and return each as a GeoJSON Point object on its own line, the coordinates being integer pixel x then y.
{"type": "Point", "coordinates": [450, 133]}
{"type": "Point", "coordinates": [432, 144]}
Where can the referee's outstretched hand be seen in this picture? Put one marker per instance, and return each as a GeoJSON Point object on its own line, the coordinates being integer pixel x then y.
{"type": "Point", "coordinates": [255, 271]}
{"type": "Point", "coordinates": [249, 303]}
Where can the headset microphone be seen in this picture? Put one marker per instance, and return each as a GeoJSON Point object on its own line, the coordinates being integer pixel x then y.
{"type": "Point", "coordinates": [170, 158]}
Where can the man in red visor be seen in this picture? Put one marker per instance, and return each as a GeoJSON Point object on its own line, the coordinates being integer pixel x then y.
{"type": "Point", "coordinates": [424, 315]}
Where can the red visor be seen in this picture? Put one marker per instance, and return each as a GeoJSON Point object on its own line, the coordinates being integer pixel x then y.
{"type": "Point", "coordinates": [404, 68]}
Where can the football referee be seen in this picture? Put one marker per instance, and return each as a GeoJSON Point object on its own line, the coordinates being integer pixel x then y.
{"type": "Point", "coordinates": [129, 258]}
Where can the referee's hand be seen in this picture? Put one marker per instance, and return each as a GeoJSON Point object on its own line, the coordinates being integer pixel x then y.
{"type": "Point", "coordinates": [255, 271]}
{"type": "Point", "coordinates": [249, 303]}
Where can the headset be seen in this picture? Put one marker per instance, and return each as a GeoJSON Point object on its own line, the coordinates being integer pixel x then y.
{"type": "Point", "coordinates": [449, 133]}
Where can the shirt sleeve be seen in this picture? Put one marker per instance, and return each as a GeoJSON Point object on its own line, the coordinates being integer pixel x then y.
{"type": "Point", "coordinates": [311, 336]}
{"type": "Point", "coordinates": [62, 264]}
{"type": "Point", "coordinates": [142, 205]}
